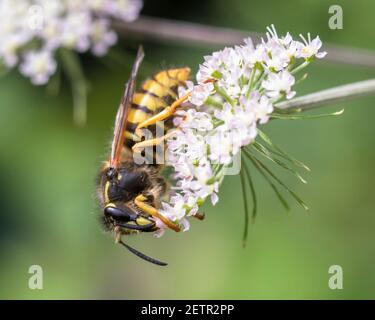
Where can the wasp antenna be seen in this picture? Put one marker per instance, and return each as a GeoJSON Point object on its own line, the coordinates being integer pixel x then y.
{"type": "Point", "coordinates": [142, 255]}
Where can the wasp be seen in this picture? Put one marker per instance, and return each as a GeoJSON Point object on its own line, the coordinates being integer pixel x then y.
{"type": "Point", "coordinates": [130, 193]}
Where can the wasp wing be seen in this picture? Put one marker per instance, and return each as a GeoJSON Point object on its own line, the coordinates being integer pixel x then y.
{"type": "Point", "coordinates": [123, 110]}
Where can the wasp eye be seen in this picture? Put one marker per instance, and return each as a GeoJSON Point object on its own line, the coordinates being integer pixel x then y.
{"type": "Point", "coordinates": [120, 214]}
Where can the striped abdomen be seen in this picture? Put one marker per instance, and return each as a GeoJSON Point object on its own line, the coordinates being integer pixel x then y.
{"type": "Point", "coordinates": [155, 95]}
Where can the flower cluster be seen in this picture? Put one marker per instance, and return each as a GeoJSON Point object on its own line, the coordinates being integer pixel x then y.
{"type": "Point", "coordinates": [32, 30]}
{"type": "Point", "coordinates": [236, 90]}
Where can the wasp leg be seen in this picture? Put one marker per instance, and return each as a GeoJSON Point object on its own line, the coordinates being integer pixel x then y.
{"type": "Point", "coordinates": [117, 232]}
{"type": "Point", "coordinates": [140, 202]}
{"type": "Point", "coordinates": [167, 112]}
{"type": "Point", "coordinates": [152, 142]}
{"type": "Point", "coordinates": [162, 115]}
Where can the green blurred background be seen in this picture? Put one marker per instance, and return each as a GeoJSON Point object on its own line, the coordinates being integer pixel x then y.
{"type": "Point", "coordinates": [48, 166]}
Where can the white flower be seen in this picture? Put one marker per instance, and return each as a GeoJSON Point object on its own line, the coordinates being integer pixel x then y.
{"type": "Point", "coordinates": [273, 37]}
{"type": "Point", "coordinates": [310, 48]}
{"type": "Point", "coordinates": [222, 118]}
{"type": "Point", "coordinates": [221, 146]}
{"type": "Point", "coordinates": [187, 144]}
{"type": "Point", "coordinates": [260, 105]}
{"type": "Point", "coordinates": [203, 174]}
{"type": "Point", "coordinates": [200, 93]}
{"type": "Point", "coordinates": [279, 84]}
{"type": "Point", "coordinates": [293, 49]}
{"type": "Point", "coordinates": [263, 110]}
{"type": "Point", "coordinates": [185, 225]}
{"type": "Point", "coordinates": [39, 66]}
{"type": "Point", "coordinates": [175, 212]}
{"type": "Point", "coordinates": [251, 55]}
{"type": "Point", "coordinates": [228, 117]}
{"type": "Point", "coordinates": [278, 60]}
{"type": "Point", "coordinates": [183, 90]}
{"type": "Point", "coordinates": [200, 121]}
{"type": "Point", "coordinates": [161, 229]}
{"type": "Point", "coordinates": [210, 65]}
{"type": "Point", "coordinates": [214, 198]}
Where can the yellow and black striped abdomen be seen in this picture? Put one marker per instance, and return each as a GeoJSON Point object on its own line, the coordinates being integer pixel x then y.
{"type": "Point", "coordinates": [155, 95]}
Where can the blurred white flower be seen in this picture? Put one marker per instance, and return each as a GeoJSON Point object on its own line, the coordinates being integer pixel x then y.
{"type": "Point", "coordinates": [102, 37]}
{"type": "Point", "coordinates": [9, 46]}
{"type": "Point", "coordinates": [76, 31]}
{"type": "Point", "coordinates": [29, 26]}
{"type": "Point", "coordinates": [125, 10]}
{"type": "Point", "coordinates": [38, 66]}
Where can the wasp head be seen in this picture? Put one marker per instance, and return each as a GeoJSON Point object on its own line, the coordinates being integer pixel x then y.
{"type": "Point", "coordinates": [127, 219]}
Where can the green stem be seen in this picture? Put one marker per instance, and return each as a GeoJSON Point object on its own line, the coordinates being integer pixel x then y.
{"type": "Point", "coordinates": [292, 193]}
{"type": "Point", "coordinates": [73, 70]}
{"type": "Point", "coordinates": [300, 67]}
{"type": "Point", "coordinates": [274, 188]}
{"type": "Point", "coordinates": [280, 152]}
{"type": "Point", "coordinates": [223, 93]}
{"type": "Point", "coordinates": [259, 80]}
{"type": "Point", "coordinates": [253, 194]}
{"type": "Point", "coordinates": [267, 154]}
{"type": "Point", "coordinates": [253, 72]}
{"type": "Point", "coordinates": [213, 102]}
{"type": "Point", "coordinates": [246, 207]}
{"type": "Point", "coordinates": [306, 116]}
